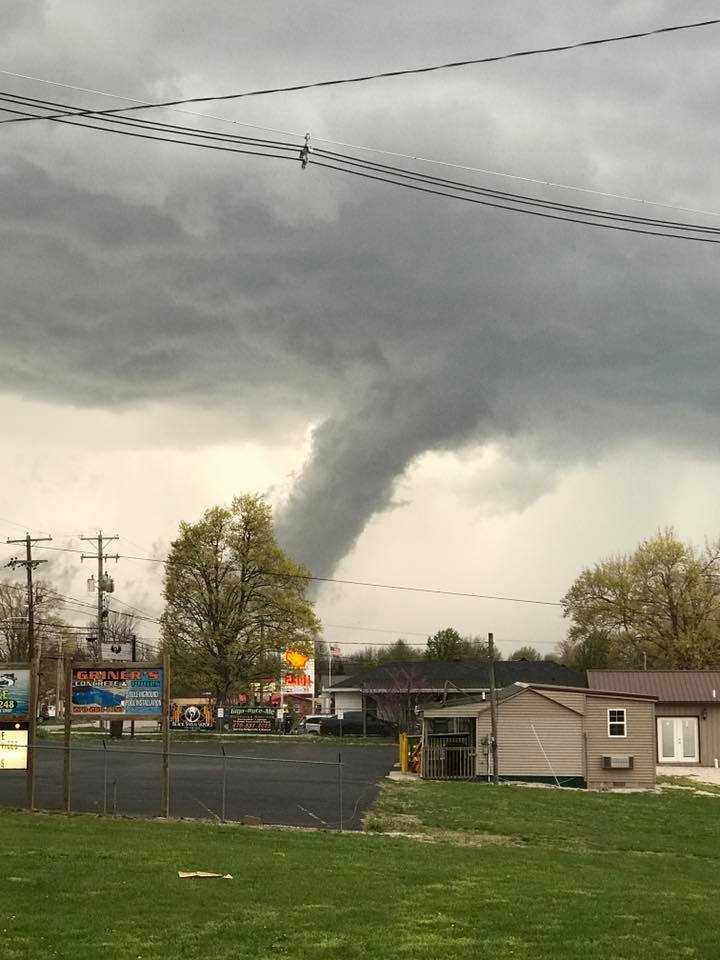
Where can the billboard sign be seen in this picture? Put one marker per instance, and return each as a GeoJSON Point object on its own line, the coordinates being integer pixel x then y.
{"type": "Point", "coordinates": [122, 693]}
{"type": "Point", "coordinates": [298, 674]}
{"type": "Point", "coordinates": [191, 716]}
{"type": "Point", "coordinates": [14, 692]}
{"type": "Point", "coordinates": [250, 719]}
{"type": "Point", "coordinates": [13, 749]}
{"type": "Point", "coordinates": [117, 650]}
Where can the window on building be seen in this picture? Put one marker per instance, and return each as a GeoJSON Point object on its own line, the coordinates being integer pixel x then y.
{"type": "Point", "coordinates": [617, 723]}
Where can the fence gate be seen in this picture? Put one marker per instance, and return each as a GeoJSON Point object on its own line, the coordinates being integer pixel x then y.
{"type": "Point", "coordinates": [448, 758]}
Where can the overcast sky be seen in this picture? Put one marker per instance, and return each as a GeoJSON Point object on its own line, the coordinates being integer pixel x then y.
{"type": "Point", "coordinates": [431, 393]}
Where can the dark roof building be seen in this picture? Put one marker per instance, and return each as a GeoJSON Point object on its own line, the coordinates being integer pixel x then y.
{"type": "Point", "coordinates": [433, 676]}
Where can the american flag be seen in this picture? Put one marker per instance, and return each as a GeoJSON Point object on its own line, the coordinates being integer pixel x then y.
{"type": "Point", "coordinates": [334, 651]}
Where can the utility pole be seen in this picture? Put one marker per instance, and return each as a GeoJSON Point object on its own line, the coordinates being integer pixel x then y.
{"type": "Point", "coordinates": [33, 655]}
{"type": "Point", "coordinates": [493, 710]}
{"type": "Point", "coordinates": [29, 565]}
{"type": "Point", "coordinates": [102, 586]}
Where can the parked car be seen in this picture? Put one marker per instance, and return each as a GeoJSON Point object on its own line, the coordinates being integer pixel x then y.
{"type": "Point", "coordinates": [311, 723]}
{"type": "Point", "coordinates": [352, 724]}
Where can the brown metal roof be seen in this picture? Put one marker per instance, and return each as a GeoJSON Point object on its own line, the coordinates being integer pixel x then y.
{"type": "Point", "coordinates": [669, 686]}
{"type": "Point", "coordinates": [591, 692]}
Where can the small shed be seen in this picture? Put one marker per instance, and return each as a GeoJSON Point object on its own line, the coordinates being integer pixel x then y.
{"type": "Point", "coordinates": [569, 736]}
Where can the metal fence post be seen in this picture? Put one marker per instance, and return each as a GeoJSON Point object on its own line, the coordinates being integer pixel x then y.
{"type": "Point", "coordinates": [340, 792]}
{"type": "Point", "coordinates": [105, 776]}
{"type": "Point", "coordinates": [224, 783]}
{"type": "Point", "coordinates": [67, 740]}
{"type": "Point", "coordinates": [166, 785]}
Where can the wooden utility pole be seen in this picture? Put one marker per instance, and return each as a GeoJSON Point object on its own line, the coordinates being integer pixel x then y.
{"type": "Point", "coordinates": [68, 732]}
{"type": "Point", "coordinates": [29, 565]}
{"type": "Point", "coordinates": [493, 710]}
{"type": "Point", "coordinates": [33, 656]}
{"type": "Point", "coordinates": [101, 557]}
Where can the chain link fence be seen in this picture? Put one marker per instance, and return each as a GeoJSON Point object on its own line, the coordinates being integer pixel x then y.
{"type": "Point", "coordinates": [250, 782]}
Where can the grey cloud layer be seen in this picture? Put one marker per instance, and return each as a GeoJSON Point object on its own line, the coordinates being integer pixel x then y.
{"type": "Point", "coordinates": [398, 323]}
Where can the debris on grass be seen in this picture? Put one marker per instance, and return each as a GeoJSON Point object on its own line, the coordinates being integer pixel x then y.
{"type": "Point", "coordinates": [202, 874]}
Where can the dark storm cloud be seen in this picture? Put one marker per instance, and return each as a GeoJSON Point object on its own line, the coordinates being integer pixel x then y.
{"type": "Point", "coordinates": [398, 323]}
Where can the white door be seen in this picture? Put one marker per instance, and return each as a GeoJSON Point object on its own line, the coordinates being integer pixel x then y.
{"type": "Point", "coordinates": [678, 740]}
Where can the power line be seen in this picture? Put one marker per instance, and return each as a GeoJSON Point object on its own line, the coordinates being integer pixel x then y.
{"type": "Point", "coordinates": [137, 126]}
{"type": "Point", "coordinates": [384, 152]}
{"type": "Point", "coordinates": [401, 172]}
{"type": "Point", "coordinates": [387, 74]}
{"type": "Point", "coordinates": [518, 209]}
{"type": "Point", "coordinates": [396, 176]}
{"type": "Point", "coordinates": [22, 526]}
{"type": "Point", "coordinates": [358, 583]}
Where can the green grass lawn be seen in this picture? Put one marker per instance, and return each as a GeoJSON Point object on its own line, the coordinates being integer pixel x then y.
{"type": "Point", "coordinates": [674, 822]}
{"type": "Point", "coordinates": [597, 877]}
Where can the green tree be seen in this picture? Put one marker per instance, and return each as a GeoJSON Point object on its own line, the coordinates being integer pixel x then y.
{"type": "Point", "coordinates": [593, 649]}
{"type": "Point", "coordinates": [526, 653]}
{"type": "Point", "coordinates": [14, 645]}
{"type": "Point", "coordinates": [233, 600]}
{"type": "Point", "coordinates": [659, 604]}
{"type": "Point", "coordinates": [476, 648]}
{"type": "Point", "coordinates": [446, 644]}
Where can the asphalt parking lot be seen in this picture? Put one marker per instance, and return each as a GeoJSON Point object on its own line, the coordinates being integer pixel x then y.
{"type": "Point", "coordinates": [292, 783]}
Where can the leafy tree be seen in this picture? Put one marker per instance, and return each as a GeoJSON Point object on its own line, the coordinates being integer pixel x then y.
{"type": "Point", "coordinates": [400, 650]}
{"type": "Point", "coordinates": [526, 653]}
{"type": "Point", "coordinates": [233, 600]}
{"type": "Point", "coordinates": [52, 633]}
{"type": "Point", "coordinates": [367, 657]}
{"type": "Point", "coordinates": [476, 648]}
{"type": "Point", "coordinates": [660, 603]}
{"type": "Point", "coordinates": [446, 644]}
{"type": "Point", "coordinates": [14, 644]}
{"type": "Point", "coordinates": [592, 650]}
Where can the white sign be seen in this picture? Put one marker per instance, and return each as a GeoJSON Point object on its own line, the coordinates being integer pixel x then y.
{"type": "Point", "coordinates": [117, 650]}
{"type": "Point", "coordinates": [298, 674]}
{"type": "Point", "coordinates": [220, 712]}
{"type": "Point", "coordinates": [340, 714]}
{"type": "Point", "coordinates": [280, 713]}
{"type": "Point", "coordinates": [13, 749]}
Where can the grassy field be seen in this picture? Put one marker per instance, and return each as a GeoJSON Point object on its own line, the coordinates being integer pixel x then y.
{"type": "Point", "coordinates": [674, 822]}
{"type": "Point", "coordinates": [513, 872]}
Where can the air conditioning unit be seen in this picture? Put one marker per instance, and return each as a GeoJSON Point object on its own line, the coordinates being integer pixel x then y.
{"type": "Point", "coordinates": [615, 762]}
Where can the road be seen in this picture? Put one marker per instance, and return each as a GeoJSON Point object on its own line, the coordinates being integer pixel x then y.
{"type": "Point", "coordinates": [281, 783]}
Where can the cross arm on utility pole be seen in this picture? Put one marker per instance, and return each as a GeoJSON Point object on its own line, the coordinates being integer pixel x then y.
{"type": "Point", "coordinates": [101, 557]}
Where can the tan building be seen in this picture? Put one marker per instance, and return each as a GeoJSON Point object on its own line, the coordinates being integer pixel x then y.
{"type": "Point", "coordinates": [687, 710]}
{"type": "Point", "coordinates": [569, 736]}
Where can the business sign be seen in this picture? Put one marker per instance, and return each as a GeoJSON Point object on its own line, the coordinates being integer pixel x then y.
{"type": "Point", "coordinates": [14, 692]}
{"type": "Point", "coordinates": [124, 693]}
{"type": "Point", "coordinates": [117, 650]}
{"type": "Point", "coordinates": [191, 716]}
{"type": "Point", "coordinates": [13, 749]}
{"type": "Point", "coordinates": [298, 674]}
{"type": "Point", "coordinates": [250, 719]}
